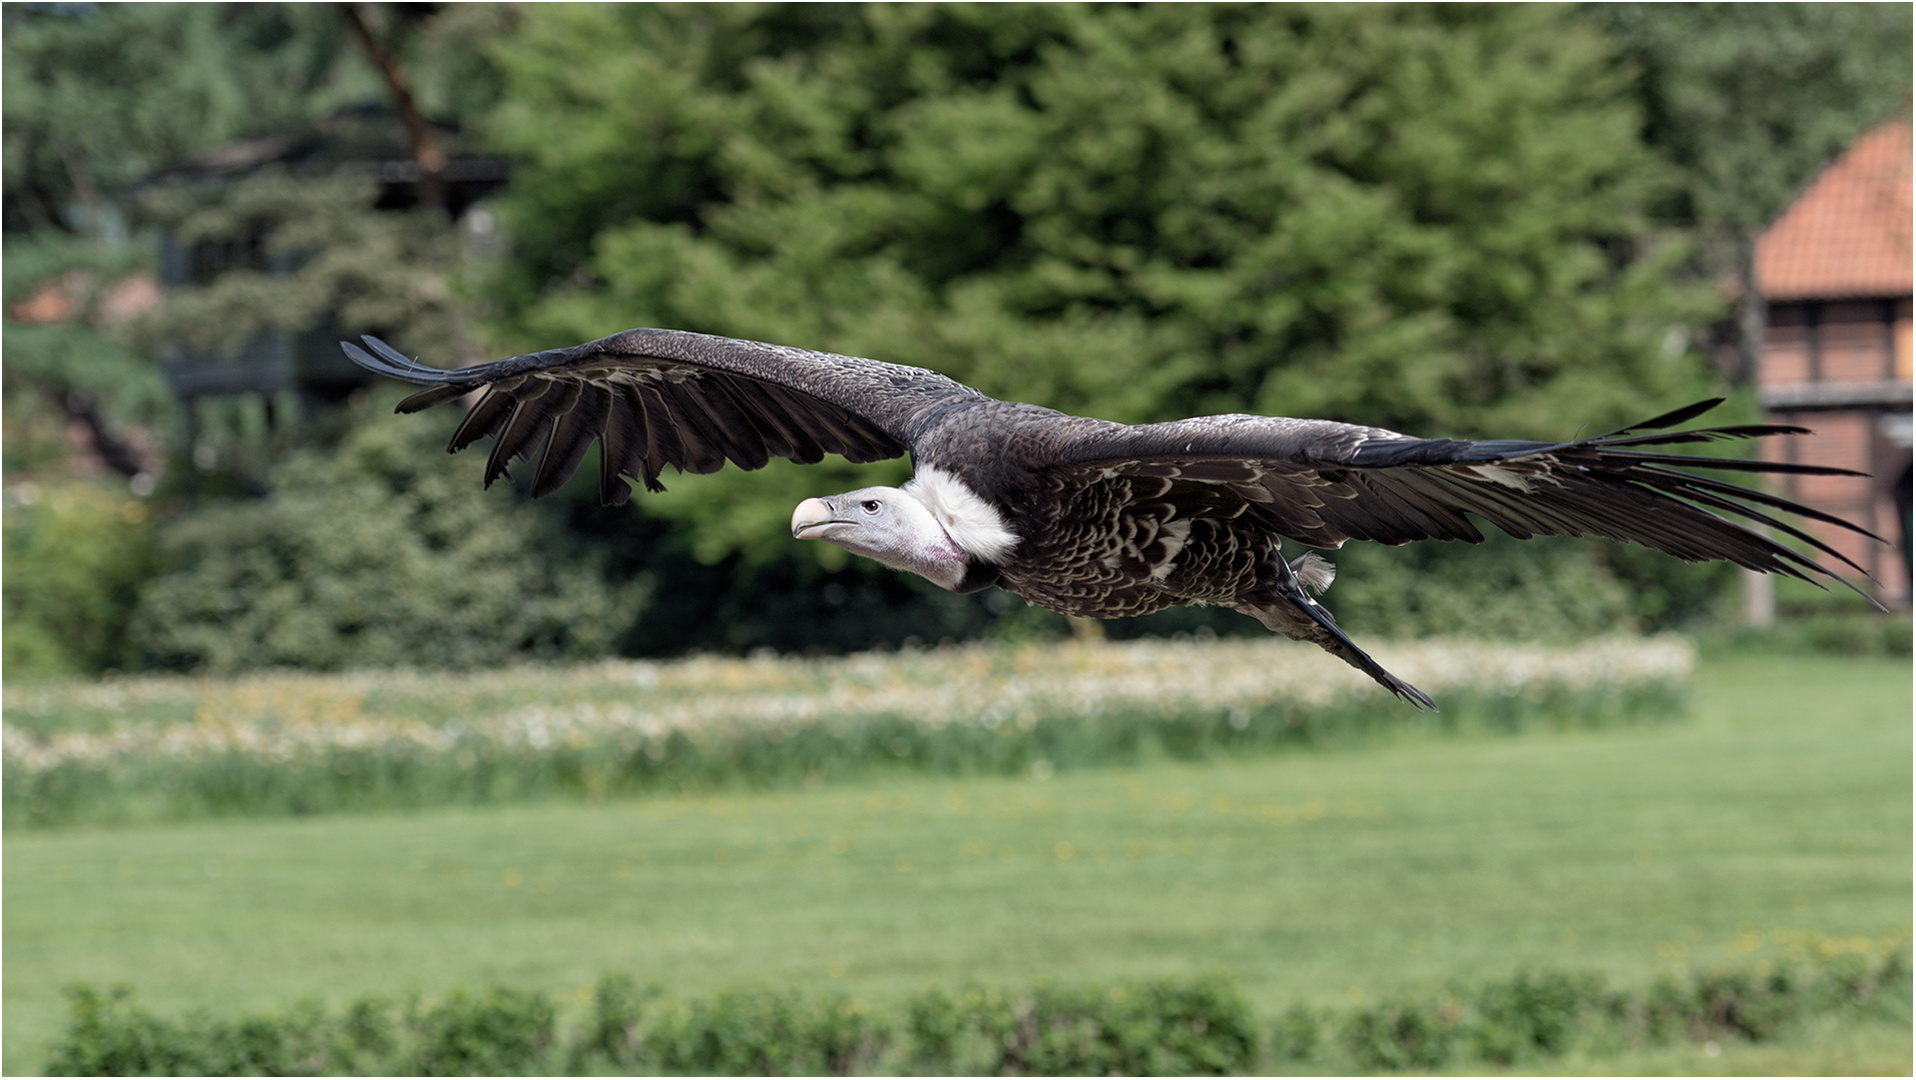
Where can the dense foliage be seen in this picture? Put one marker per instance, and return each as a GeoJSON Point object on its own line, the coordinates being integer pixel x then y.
{"type": "Point", "coordinates": [1430, 219]}
{"type": "Point", "coordinates": [1159, 1028]}
{"type": "Point", "coordinates": [375, 551]}
{"type": "Point", "coordinates": [96, 102]}
{"type": "Point", "coordinates": [101, 103]}
{"type": "Point", "coordinates": [76, 556]}
{"type": "Point", "coordinates": [1113, 211]}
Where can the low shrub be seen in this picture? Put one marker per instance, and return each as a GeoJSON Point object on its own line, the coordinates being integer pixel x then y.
{"type": "Point", "coordinates": [1540, 1015]}
{"type": "Point", "coordinates": [376, 552]}
{"type": "Point", "coordinates": [1829, 633]}
{"type": "Point", "coordinates": [1402, 1035]}
{"type": "Point", "coordinates": [109, 1036]}
{"type": "Point", "coordinates": [76, 556]}
{"type": "Point", "coordinates": [502, 1032]}
{"type": "Point", "coordinates": [1151, 1029]}
{"type": "Point", "coordinates": [1168, 1027]}
{"type": "Point", "coordinates": [1299, 1033]}
{"type": "Point", "coordinates": [759, 1033]}
{"type": "Point", "coordinates": [1532, 1013]}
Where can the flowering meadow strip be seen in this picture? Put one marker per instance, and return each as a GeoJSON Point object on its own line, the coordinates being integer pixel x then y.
{"type": "Point", "coordinates": [303, 743]}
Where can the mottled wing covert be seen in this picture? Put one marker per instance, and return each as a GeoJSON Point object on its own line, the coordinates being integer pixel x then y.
{"type": "Point", "coordinates": [1321, 483]}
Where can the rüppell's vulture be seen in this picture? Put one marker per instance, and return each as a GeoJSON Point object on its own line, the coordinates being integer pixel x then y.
{"type": "Point", "coordinates": [1088, 517]}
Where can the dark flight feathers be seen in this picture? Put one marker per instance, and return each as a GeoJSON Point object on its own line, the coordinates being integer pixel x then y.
{"type": "Point", "coordinates": [657, 398]}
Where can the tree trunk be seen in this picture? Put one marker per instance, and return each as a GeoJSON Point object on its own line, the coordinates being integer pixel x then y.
{"type": "Point", "coordinates": [425, 142]}
{"type": "Point", "coordinates": [1752, 322]}
{"type": "Point", "coordinates": [114, 452]}
{"type": "Point", "coordinates": [1752, 311]}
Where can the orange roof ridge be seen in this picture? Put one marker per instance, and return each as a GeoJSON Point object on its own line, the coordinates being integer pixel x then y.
{"type": "Point", "coordinates": [1848, 234]}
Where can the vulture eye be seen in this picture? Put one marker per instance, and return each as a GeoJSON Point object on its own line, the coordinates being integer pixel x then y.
{"type": "Point", "coordinates": [870, 505]}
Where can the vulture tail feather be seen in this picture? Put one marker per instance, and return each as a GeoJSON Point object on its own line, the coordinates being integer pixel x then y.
{"type": "Point", "coordinates": [1280, 610]}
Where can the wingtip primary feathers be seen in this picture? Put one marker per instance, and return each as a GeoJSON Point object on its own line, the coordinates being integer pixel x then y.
{"type": "Point", "coordinates": [1670, 419]}
{"type": "Point", "coordinates": [386, 360]}
{"type": "Point", "coordinates": [1630, 456]}
{"type": "Point", "coordinates": [383, 359]}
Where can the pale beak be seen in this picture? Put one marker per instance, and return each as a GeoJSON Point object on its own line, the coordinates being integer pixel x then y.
{"type": "Point", "coordinates": [810, 514]}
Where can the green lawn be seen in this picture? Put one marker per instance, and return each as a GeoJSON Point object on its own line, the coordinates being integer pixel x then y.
{"type": "Point", "coordinates": [1773, 821]}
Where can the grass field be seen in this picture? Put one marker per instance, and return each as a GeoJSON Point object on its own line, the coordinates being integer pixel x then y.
{"type": "Point", "coordinates": [1773, 822]}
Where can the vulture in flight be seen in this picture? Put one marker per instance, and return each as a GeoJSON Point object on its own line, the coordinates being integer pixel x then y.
{"type": "Point", "coordinates": [1089, 517]}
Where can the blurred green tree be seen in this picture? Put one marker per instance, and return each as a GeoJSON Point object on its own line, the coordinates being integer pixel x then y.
{"type": "Point", "coordinates": [373, 552]}
{"type": "Point", "coordinates": [1417, 216]}
{"type": "Point", "coordinates": [99, 99]}
{"type": "Point", "coordinates": [1748, 102]}
{"type": "Point", "coordinates": [76, 556]}
{"type": "Point", "coordinates": [1437, 219]}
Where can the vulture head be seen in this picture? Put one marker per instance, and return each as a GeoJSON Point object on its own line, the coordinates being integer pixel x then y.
{"type": "Point", "coordinates": [935, 526]}
{"type": "Point", "coordinates": [885, 524]}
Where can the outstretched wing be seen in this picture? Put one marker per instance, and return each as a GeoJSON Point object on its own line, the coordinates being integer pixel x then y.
{"type": "Point", "coordinates": [1322, 483]}
{"type": "Point", "coordinates": [668, 397]}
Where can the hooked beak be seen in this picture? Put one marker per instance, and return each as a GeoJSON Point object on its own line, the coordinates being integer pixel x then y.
{"type": "Point", "coordinates": [811, 516]}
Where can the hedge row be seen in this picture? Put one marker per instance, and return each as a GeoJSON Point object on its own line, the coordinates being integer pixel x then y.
{"type": "Point", "coordinates": [1197, 1027]}
{"type": "Point", "coordinates": [1150, 1028]}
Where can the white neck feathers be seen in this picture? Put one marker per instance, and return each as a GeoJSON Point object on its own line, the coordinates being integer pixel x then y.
{"type": "Point", "coordinates": [966, 517]}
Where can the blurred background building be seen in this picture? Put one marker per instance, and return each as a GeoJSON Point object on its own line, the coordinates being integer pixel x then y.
{"type": "Point", "coordinates": [1835, 271]}
{"type": "Point", "coordinates": [302, 366]}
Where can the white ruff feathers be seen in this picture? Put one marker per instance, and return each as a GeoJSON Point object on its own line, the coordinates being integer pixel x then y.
{"type": "Point", "coordinates": [969, 520]}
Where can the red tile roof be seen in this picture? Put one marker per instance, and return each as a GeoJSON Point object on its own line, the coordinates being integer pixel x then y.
{"type": "Point", "coordinates": [1849, 234]}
